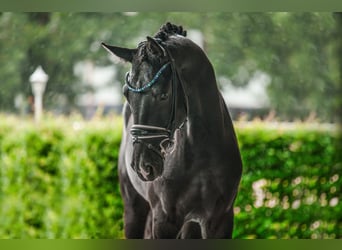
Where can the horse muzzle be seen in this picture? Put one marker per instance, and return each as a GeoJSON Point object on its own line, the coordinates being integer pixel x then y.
{"type": "Point", "coordinates": [151, 145]}
{"type": "Point", "coordinates": [147, 165]}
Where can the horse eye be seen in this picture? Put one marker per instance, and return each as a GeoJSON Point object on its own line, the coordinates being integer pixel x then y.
{"type": "Point", "coordinates": [125, 91]}
{"type": "Point", "coordinates": [164, 97]}
{"type": "Point", "coordinates": [127, 78]}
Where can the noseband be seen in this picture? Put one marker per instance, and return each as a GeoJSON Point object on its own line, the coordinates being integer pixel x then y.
{"type": "Point", "coordinates": [143, 133]}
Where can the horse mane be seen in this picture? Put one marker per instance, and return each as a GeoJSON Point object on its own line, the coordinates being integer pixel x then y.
{"type": "Point", "coordinates": [169, 29]}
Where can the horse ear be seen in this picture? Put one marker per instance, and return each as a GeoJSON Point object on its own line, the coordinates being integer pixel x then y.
{"type": "Point", "coordinates": [154, 47]}
{"type": "Point", "coordinates": [123, 53]}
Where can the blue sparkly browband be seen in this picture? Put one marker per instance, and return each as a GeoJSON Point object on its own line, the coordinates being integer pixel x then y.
{"type": "Point", "coordinates": [149, 84]}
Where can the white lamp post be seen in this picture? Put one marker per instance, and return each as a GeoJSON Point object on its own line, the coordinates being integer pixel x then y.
{"type": "Point", "coordinates": [38, 81]}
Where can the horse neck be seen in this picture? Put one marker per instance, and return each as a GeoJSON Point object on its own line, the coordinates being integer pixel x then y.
{"type": "Point", "coordinates": [206, 109]}
{"type": "Point", "coordinates": [205, 106]}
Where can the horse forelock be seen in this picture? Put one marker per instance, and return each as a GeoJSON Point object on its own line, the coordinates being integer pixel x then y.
{"type": "Point", "coordinates": [172, 38]}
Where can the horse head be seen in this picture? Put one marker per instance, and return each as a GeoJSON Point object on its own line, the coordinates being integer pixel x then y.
{"type": "Point", "coordinates": [151, 93]}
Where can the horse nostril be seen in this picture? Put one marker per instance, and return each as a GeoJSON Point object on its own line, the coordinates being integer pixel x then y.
{"type": "Point", "coordinates": [146, 171]}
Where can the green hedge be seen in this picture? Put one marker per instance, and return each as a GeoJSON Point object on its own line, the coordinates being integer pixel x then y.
{"type": "Point", "coordinates": [59, 180]}
{"type": "Point", "coordinates": [291, 186]}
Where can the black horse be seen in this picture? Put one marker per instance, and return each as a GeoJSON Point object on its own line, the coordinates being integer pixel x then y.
{"type": "Point", "coordinates": [179, 163]}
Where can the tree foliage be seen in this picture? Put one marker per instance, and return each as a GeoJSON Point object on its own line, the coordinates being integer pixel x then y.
{"type": "Point", "coordinates": [299, 51]}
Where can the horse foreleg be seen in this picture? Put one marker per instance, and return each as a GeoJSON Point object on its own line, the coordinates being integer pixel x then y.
{"type": "Point", "coordinates": [136, 209]}
{"type": "Point", "coordinates": [190, 230]}
{"type": "Point", "coordinates": [163, 225]}
{"type": "Point", "coordinates": [148, 226]}
{"type": "Point", "coordinates": [221, 227]}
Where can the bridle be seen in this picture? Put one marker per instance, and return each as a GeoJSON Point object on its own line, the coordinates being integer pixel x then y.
{"type": "Point", "coordinates": [143, 134]}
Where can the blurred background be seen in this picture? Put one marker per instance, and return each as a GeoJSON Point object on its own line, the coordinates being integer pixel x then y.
{"type": "Point", "coordinates": [280, 74]}
{"type": "Point", "coordinates": [269, 65]}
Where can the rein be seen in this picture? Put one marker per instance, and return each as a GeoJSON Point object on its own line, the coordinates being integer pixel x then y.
{"type": "Point", "coordinates": [142, 133]}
